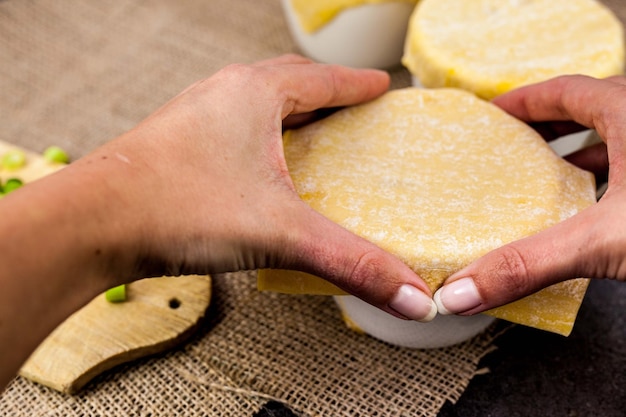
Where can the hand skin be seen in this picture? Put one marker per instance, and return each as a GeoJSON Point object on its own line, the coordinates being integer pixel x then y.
{"type": "Point", "coordinates": [200, 186]}
{"type": "Point", "coordinates": [590, 244]}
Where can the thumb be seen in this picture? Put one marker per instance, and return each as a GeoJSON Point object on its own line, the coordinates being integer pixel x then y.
{"type": "Point", "coordinates": [523, 267]}
{"type": "Point", "coordinates": [323, 248]}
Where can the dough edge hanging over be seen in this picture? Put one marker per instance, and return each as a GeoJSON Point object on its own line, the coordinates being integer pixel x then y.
{"type": "Point", "coordinates": [437, 177]}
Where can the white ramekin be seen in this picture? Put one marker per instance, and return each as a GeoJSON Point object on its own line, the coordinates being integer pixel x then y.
{"type": "Point", "coordinates": [365, 36]}
{"type": "Point", "coordinates": [441, 332]}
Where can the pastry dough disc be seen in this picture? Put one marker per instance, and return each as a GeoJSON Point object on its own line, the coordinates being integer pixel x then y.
{"type": "Point", "coordinates": [492, 46]}
{"type": "Point", "coordinates": [437, 177]}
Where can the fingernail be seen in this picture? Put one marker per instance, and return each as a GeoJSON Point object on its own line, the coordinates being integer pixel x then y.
{"type": "Point", "coordinates": [457, 297]}
{"type": "Point", "coordinates": [414, 304]}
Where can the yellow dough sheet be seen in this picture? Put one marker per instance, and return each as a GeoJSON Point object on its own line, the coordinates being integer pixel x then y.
{"type": "Point", "coordinates": [438, 177]}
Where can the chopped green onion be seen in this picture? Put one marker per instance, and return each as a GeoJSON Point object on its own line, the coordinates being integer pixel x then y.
{"type": "Point", "coordinates": [14, 159]}
{"type": "Point", "coordinates": [12, 184]}
{"type": "Point", "coordinates": [56, 154]}
{"type": "Point", "coordinates": [116, 294]}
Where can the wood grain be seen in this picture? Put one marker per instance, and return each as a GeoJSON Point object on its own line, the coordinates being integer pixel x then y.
{"type": "Point", "coordinates": [159, 313]}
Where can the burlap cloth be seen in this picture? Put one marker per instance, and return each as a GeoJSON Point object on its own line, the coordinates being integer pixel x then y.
{"type": "Point", "coordinates": [78, 73]}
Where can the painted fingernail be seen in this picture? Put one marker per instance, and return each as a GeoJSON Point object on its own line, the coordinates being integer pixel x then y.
{"type": "Point", "coordinates": [414, 304]}
{"type": "Point", "coordinates": [457, 297]}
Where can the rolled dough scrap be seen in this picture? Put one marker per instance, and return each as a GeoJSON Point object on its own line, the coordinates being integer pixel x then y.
{"type": "Point", "coordinates": [438, 177]}
{"type": "Point", "coordinates": [492, 46]}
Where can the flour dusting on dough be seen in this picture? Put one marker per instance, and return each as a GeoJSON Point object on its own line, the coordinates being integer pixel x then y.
{"type": "Point", "coordinates": [439, 178]}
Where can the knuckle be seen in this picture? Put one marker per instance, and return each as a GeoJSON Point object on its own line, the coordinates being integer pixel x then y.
{"type": "Point", "coordinates": [239, 73]}
{"type": "Point", "coordinates": [363, 271]}
{"type": "Point", "coordinates": [229, 81]}
{"type": "Point", "coordinates": [512, 272]}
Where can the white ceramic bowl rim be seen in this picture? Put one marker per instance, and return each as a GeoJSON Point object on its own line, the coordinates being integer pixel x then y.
{"type": "Point", "coordinates": [443, 331]}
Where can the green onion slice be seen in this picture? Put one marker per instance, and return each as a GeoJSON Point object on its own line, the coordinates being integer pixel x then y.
{"type": "Point", "coordinates": [12, 184]}
{"type": "Point", "coordinates": [116, 294]}
{"type": "Point", "coordinates": [56, 154]}
{"type": "Point", "coordinates": [13, 160]}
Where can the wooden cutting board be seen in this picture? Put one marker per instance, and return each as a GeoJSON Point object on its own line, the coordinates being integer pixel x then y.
{"type": "Point", "coordinates": [158, 314]}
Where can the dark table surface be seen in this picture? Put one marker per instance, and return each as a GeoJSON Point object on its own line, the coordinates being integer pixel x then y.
{"type": "Point", "coordinates": [535, 373]}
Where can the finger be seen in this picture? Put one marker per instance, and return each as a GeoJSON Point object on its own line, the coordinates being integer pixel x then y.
{"type": "Point", "coordinates": [593, 103]}
{"type": "Point", "coordinates": [294, 85]}
{"type": "Point", "coordinates": [564, 251]}
{"type": "Point", "coordinates": [568, 98]}
{"type": "Point", "coordinates": [325, 249]}
{"type": "Point", "coordinates": [320, 86]}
